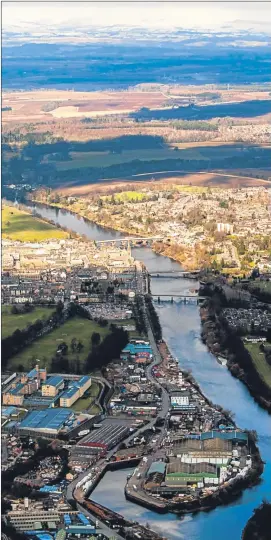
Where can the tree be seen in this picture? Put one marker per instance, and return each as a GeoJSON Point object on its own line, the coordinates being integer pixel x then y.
{"type": "Point", "coordinates": [73, 344]}
{"type": "Point", "coordinates": [79, 346]}
{"type": "Point", "coordinates": [95, 339]}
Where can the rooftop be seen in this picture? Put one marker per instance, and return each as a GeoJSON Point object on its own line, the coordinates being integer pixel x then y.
{"type": "Point", "coordinates": [69, 393]}
{"type": "Point", "coordinates": [48, 419]}
{"type": "Point", "coordinates": [55, 381]}
{"type": "Point", "coordinates": [33, 373]}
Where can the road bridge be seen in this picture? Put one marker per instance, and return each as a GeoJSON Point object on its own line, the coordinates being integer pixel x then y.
{"type": "Point", "coordinates": [185, 298]}
{"type": "Point", "coordinates": [132, 239]}
{"type": "Point", "coordinates": [172, 273]}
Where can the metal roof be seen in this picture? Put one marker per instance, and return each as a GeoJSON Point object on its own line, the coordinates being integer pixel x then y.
{"type": "Point", "coordinates": [48, 419]}
{"type": "Point", "coordinates": [70, 392]}
{"type": "Point", "coordinates": [157, 467]}
{"type": "Point", "coordinates": [16, 390]}
{"type": "Point", "coordinates": [33, 372]}
{"type": "Point", "coordinates": [83, 380]}
{"type": "Point", "coordinates": [55, 381]}
{"type": "Point", "coordinates": [228, 435]}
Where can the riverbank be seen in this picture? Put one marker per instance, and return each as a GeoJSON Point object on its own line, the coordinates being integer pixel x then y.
{"type": "Point", "coordinates": [239, 361]}
{"type": "Point", "coordinates": [181, 329]}
{"type": "Point", "coordinates": [259, 525]}
{"type": "Point", "coordinates": [187, 257]}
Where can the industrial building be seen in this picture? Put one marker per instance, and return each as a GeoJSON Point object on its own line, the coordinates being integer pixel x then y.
{"type": "Point", "coordinates": [46, 422]}
{"type": "Point", "coordinates": [105, 437]}
{"type": "Point", "coordinates": [179, 473]}
{"type": "Point", "coordinates": [30, 520]}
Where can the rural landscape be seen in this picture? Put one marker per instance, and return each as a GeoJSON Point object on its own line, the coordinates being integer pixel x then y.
{"type": "Point", "coordinates": [136, 271]}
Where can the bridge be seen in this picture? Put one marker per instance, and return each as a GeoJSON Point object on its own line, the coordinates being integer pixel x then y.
{"type": "Point", "coordinates": [132, 239]}
{"type": "Point", "coordinates": [174, 274]}
{"type": "Point", "coordinates": [185, 298]}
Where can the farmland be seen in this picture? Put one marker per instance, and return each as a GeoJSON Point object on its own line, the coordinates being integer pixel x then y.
{"type": "Point", "coordinates": [19, 225]}
{"type": "Point", "coordinates": [45, 347]}
{"type": "Point", "coordinates": [259, 361]}
{"type": "Point", "coordinates": [12, 322]}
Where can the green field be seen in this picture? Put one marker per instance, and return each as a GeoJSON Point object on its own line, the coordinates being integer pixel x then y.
{"type": "Point", "coordinates": [19, 225]}
{"type": "Point", "coordinates": [11, 322]}
{"type": "Point", "coordinates": [45, 348]}
{"type": "Point", "coordinates": [125, 196]}
{"type": "Point", "coordinates": [259, 362]}
{"type": "Point", "coordinates": [105, 159]}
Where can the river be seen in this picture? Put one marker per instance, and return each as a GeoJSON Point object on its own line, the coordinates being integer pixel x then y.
{"type": "Point", "coordinates": [181, 330]}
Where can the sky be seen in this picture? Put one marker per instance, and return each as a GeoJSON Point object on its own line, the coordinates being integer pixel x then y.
{"type": "Point", "coordinates": [166, 14]}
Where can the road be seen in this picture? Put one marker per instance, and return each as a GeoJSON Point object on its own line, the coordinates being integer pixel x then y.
{"type": "Point", "coordinates": [163, 413]}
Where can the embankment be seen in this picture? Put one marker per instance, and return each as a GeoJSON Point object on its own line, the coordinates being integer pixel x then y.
{"type": "Point", "coordinates": [221, 342]}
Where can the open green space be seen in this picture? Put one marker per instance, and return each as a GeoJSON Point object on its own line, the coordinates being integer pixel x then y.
{"type": "Point", "coordinates": [126, 196]}
{"type": "Point", "coordinates": [259, 361]}
{"type": "Point", "coordinates": [105, 159]}
{"type": "Point", "coordinates": [19, 225]}
{"type": "Point", "coordinates": [45, 348]}
{"type": "Point", "coordinates": [11, 322]}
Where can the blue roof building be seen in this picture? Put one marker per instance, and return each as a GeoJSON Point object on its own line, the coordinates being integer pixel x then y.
{"type": "Point", "coordinates": [56, 380]}
{"type": "Point", "coordinates": [46, 421]}
{"type": "Point", "coordinates": [239, 436]}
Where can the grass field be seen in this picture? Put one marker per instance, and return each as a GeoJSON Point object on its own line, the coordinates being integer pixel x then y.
{"type": "Point", "coordinates": [11, 322]}
{"type": "Point", "coordinates": [127, 196]}
{"type": "Point", "coordinates": [259, 362]}
{"type": "Point", "coordinates": [45, 348]}
{"type": "Point", "coordinates": [105, 159]}
{"type": "Point", "coordinates": [18, 225]}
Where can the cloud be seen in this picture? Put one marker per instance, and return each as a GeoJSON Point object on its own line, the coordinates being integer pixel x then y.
{"type": "Point", "coordinates": [145, 14]}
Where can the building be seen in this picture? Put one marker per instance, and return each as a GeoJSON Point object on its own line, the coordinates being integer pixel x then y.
{"type": "Point", "coordinates": [179, 399]}
{"type": "Point", "coordinates": [25, 521]}
{"type": "Point", "coordinates": [37, 372]}
{"type": "Point", "coordinates": [75, 391]}
{"type": "Point", "coordinates": [52, 386]}
{"type": "Point", "coordinates": [14, 396]}
{"type": "Point", "coordinates": [46, 423]}
{"type": "Point", "coordinates": [225, 227]}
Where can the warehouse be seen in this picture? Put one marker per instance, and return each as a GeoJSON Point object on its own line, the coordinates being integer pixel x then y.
{"type": "Point", "coordinates": [105, 437]}
{"type": "Point", "coordinates": [46, 422]}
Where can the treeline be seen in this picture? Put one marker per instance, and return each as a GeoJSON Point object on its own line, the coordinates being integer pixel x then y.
{"type": "Point", "coordinates": [196, 125]}
{"type": "Point", "coordinates": [139, 315]}
{"type": "Point", "coordinates": [259, 525]}
{"type": "Point", "coordinates": [155, 322]}
{"type": "Point", "coordinates": [222, 339]}
{"type": "Point", "coordinates": [246, 109]}
{"type": "Point", "coordinates": [108, 350]}
{"type": "Point", "coordinates": [32, 164]}
{"type": "Point", "coordinates": [17, 341]}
